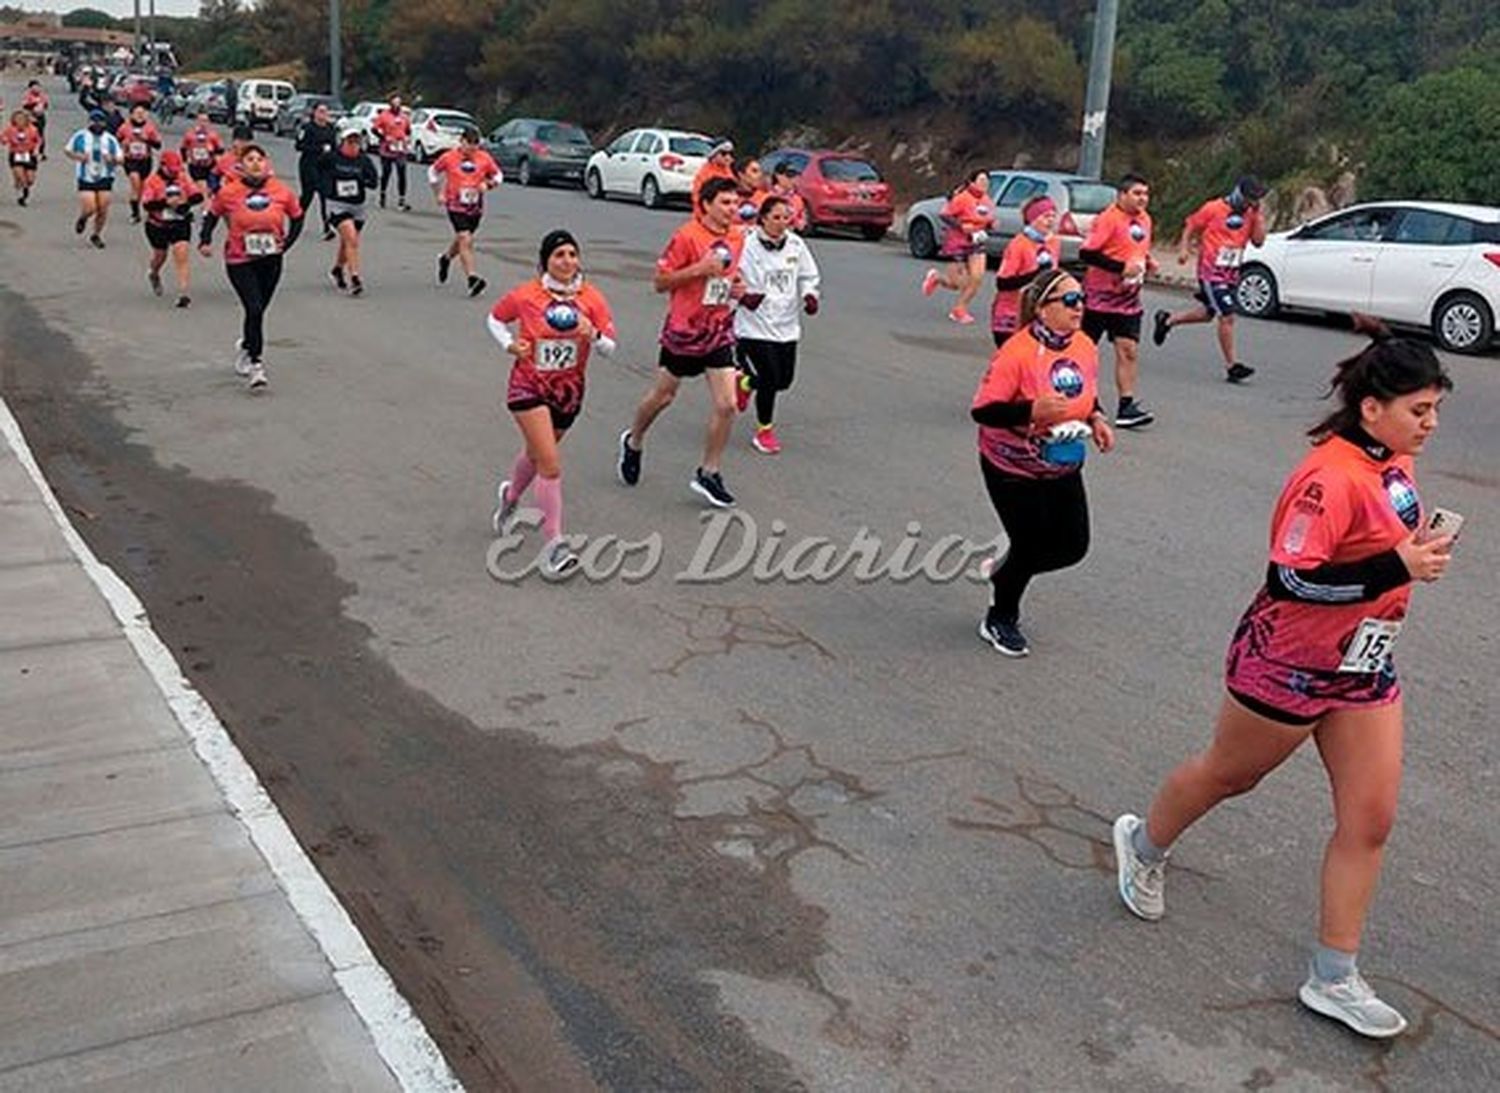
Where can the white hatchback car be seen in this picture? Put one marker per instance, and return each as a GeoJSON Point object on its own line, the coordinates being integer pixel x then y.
{"type": "Point", "coordinates": [652, 164]}
{"type": "Point", "coordinates": [435, 129]}
{"type": "Point", "coordinates": [1411, 263]}
{"type": "Point", "coordinates": [361, 118]}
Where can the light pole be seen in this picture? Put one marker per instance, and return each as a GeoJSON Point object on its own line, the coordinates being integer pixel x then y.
{"type": "Point", "coordinates": [1096, 98]}
{"type": "Point", "coordinates": [335, 52]}
{"type": "Point", "coordinates": [137, 47]}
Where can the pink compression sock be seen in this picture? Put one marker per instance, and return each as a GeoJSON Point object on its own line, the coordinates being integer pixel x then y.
{"type": "Point", "coordinates": [522, 471]}
{"type": "Point", "coordinates": [549, 500]}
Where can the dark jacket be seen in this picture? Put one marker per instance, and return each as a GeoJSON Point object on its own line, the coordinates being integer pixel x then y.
{"type": "Point", "coordinates": [317, 144]}
{"type": "Point", "coordinates": [347, 178]}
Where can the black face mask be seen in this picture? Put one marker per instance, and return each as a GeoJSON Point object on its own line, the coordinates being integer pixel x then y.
{"type": "Point", "coordinates": [97, 128]}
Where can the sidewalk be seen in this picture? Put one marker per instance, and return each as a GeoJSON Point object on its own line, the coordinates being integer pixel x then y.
{"type": "Point", "coordinates": [159, 926]}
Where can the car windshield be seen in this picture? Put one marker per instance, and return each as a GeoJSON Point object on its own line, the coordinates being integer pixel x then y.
{"type": "Point", "coordinates": [283, 93]}
{"type": "Point", "coordinates": [849, 170]}
{"type": "Point", "coordinates": [1089, 197]}
{"type": "Point", "coordinates": [451, 121]}
{"type": "Point", "coordinates": [691, 146]}
{"type": "Point", "coordinates": [561, 134]}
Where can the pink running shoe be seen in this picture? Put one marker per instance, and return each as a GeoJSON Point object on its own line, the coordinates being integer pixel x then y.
{"type": "Point", "coordinates": [764, 441]}
{"type": "Point", "coordinates": [742, 392]}
{"type": "Point", "coordinates": [961, 316]}
{"type": "Point", "coordinates": [930, 282]}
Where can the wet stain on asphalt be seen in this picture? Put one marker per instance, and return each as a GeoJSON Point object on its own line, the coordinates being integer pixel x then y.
{"type": "Point", "coordinates": [548, 918]}
{"type": "Point", "coordinates": [717, 630]}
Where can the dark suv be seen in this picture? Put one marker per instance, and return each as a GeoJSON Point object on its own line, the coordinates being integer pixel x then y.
{"type": "Point", "coordinates": [533, 150]}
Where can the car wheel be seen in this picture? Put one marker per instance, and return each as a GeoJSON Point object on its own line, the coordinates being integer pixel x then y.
{"type": "Point", "coordinates": [594, 185]}
{"type": "Point", "coordinates": [873, 233]}
{"type": "Point", "coordinates": [523, 173]}
{"type": "Point", "coordinates": [1463, 323]}
{"type": "Point", "coordinates": [1256, 295]}
{"type": "Point", "coordinates": [921, 240]}
{"type": "Point", "coordinates": [650, 193]}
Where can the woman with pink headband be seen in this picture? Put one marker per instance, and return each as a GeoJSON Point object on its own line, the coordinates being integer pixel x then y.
{"type": "Point", "coordinates": [1034, 249]}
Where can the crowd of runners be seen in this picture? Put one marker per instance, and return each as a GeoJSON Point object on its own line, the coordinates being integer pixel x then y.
{"type": "Point", "coordinates": [1311, 657]}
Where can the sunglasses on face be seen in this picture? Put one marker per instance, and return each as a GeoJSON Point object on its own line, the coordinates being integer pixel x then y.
{"type": "Point", "coordinates": [1067, 299]}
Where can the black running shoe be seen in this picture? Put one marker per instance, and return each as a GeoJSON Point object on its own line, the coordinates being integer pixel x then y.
{"type": "Point", "coordinates": [710, 487]}
{"type": "Point", "coordinates": [98, 243]}
{"type": "Point", "coordinates": [356, 286]}
{"type": "Point", "coordinates": [476, 285]}
{"type": "Point", "coordinates": [79, 224]}
{"type": "Point", "coordinates": [1238, 373]}
{"type": "Point", "coordinates": [444, 262]}
{"type": "Point", "coordinates": [328, 233]}
{"type": "Point", "coordinates": [184, 301]}
{"type": "Point", "coordinates": [1162, 327]}
{"type": "Point", "coordinates": [630, 461]}
{"type": "Point", "coordinates": [1132, 415]}
{"type": "Point", "coordinates": [336, 275]}
{"type": "Point", "coordinates": [1004, 637]}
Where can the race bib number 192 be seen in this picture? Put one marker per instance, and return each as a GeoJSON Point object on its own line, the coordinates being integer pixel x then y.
{"type": "Point", "coordinates": [555, 354]}
{"type": "Point", "coordinates": [716, 292]}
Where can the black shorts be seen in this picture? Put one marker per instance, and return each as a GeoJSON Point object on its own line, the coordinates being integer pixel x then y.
{"type": "Point", "coordinates": [1218, 297]}
{"type": "Point", "coordinates": [1118, 325]}
{"type": "Point", "coordinates": [465, 222]}
{"type": "Point", "coordinates": [561, 420]}
{"type": "Point", "coordinates": [162, 236]}
{"type": "Point", "coordinates": [140, 167]}
{"type": "Point", "coordinates": [772, 366]}
{"type": "Point", "coordinates": [98, 186]}
{"type": "Point", "coordinates": [335, 219]}
{"type": "Point", "coordinates": [200, 173]}
{"type": "Point", "coordinates": [686, 367]}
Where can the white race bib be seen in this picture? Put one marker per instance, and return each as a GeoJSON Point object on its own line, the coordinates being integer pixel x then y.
{"type": "Point", "coordinates": [1369, 649]}
{"type": "Point", "coordinates": [1229, 257]}
{"type": "Point", "coordinates": [260, 244]}
{"type": "Point", "coordinates": [346, 187]}
{"type": "Point", "coordinates": [170, 213]}
{"type": "Point", "coordinates": [468, 195]}
{"type": "Point", "coordinates": [139, 149]}
{"type": "Point", "coordinates": [23, 158]}
{"type": "Point", "coordinates": [779, 282]}
{"type": "Point", "coordinates": [716, 292]}
{"type": "Point", "coordinates": [395, 146]}
{"type": "Point", "coordinates": [202, 155]}
{"type": "Point", "coordinates": [555, 354]}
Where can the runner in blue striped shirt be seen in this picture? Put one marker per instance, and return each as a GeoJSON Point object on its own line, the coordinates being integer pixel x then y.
{"type": "Point", "coordinates": [97, 152]}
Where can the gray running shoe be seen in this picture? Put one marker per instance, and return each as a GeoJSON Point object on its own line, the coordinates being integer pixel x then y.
{"type": "Point", "coordinates": [1141, 884]}
{"type": "Point", "coordinates": [1353, 1002]}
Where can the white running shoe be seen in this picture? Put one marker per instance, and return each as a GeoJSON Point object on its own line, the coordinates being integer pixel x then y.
{"type": "Point", "coordinates": [1353, 1002]}
{"type": "Point", "coordinates": [559, 560]}
{"type": "Point", "coordinates": [241, 358]}
{"type": "Point", "coordinates": [257, 376]}
{"type": "Point", "coordinates": [504, 510]}
{"type": "Point", "coordinates": [1141, 883]}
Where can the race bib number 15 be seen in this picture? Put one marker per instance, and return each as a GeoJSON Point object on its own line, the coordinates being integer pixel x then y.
{"type": "Point", "coordinates": [1370, 648]}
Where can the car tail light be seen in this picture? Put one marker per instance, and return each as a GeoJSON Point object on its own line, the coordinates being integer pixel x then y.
{"type": "Point", "coordinates": [1493, 258]}
{"type": "Point", "coordinates": [670, 162]}
{"type": "Point", "coordinates": [538, 148]}
{"type": "Point", "coordinates": [431, 126]}
{"type": "Point", "coordinates": [1068, 226]}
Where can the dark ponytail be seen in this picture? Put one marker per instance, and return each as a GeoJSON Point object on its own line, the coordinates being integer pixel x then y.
{"type": "Point", "coordinates": [1033, 294]}
{"type": "Point", "coordinates": [1386, 369]}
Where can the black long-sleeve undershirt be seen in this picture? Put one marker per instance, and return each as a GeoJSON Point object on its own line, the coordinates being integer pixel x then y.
{"type": "Point", "coordinates": [1020, 280]}
{"type": "Point", "coordinates": [1100, 260]}
{"type": "Point", "coordinates": [1338, 582]}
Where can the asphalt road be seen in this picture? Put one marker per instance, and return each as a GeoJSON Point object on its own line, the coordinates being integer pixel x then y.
{"type": "Point", "coordinates": [758, 834]}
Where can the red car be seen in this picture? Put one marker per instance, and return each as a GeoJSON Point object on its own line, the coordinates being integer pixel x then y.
{"type": "Point", "coordinates": [841, 189]}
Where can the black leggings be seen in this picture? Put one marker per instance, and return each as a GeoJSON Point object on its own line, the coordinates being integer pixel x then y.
{"type": "Point", "coordinates": [255, 283]}
{"type": "Point", "coordinates": [397, 164]}
{"type": "Point", "coordinates": [771, 366]}
{"type": "Point", "coordinates": [1047, 521]}
{"type": "Point", "coordinates": [312, 183]}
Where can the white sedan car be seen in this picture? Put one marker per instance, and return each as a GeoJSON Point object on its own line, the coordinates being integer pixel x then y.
{"type": "Point", "coordinates": [651, 164]}
{"type": "Point", "coordinates": [1412, 263]}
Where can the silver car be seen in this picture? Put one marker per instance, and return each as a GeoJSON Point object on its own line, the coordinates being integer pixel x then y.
{"type": "Point", "coordinates": [1078, 201]}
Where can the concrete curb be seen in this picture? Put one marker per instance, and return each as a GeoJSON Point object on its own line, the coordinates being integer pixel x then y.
{"type": "Point", "coordinates": [399, 1036]}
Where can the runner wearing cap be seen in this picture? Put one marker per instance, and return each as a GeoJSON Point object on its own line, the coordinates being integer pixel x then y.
{"type": "Point", "coordinates": [347, 180]}
{"type": "Point", "coordinates": [97, 152]}
{"type": "Point", "coordinates": [720, 164]}
{"type": "Point", "coordinates": [1221, 228]}
{"type": "Point", "coordinates": [169, 196]}
{"type": "Point", "coordinates": [1311, 658]}
{"type": "Point", "coordinates": [139, 138]}
{"type": "Point", "coordinates": [23, 145]}
{"type": "Point", "coordinates": [699, 271]}
{"type": "Point", "coordinates": [559, 319]}
{"type": "Point", "coordinates": [460, 178]}
{"type": "Point", "coordinates": [1034, 249]}
{"type": "Point", "coordinates": [967, 218]}
{"type": "Point", "coordinates": [780, 283]}
{"type": "Point", "coordinates": [1117, 253]}
{"type": "Point", "coordinates": [784, 185]}
{"type": "Point", "coordinates": [393, 128]}
{"type": "Point", "coordinates": [263, 218]}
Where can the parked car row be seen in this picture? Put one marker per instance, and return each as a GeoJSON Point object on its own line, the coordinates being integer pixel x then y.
{"type": "Point", "coordinates": [1078, 201]}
